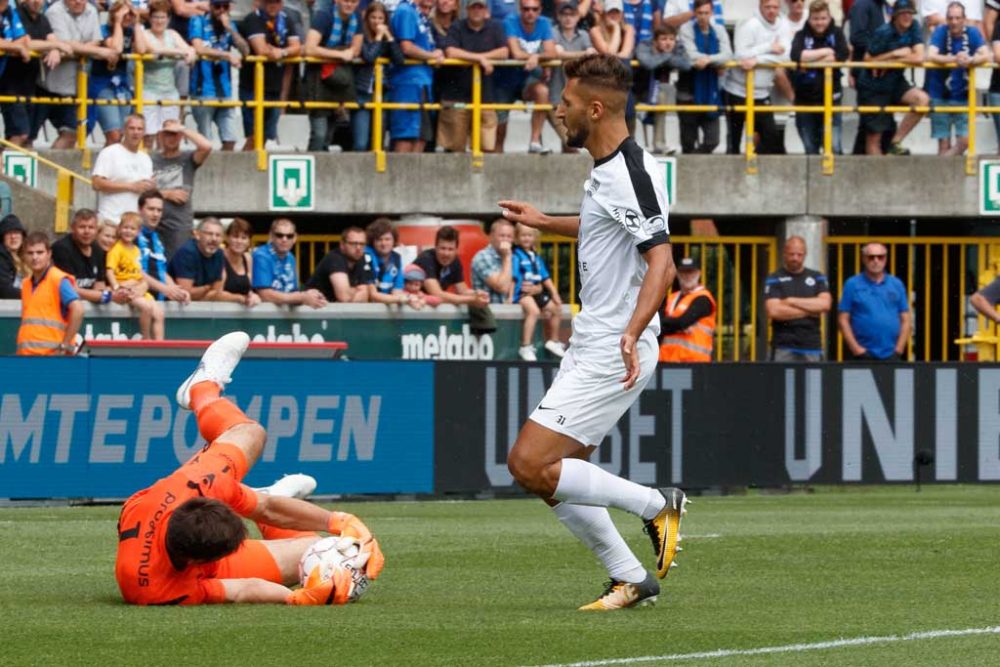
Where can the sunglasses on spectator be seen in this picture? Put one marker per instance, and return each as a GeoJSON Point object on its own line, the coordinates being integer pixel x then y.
{"type": "Point", "coordinates": [531, 9]}
{"type": "Point", "coordinates": [288, 236]}
{"type": "Point", "coordinates": [874, 256]}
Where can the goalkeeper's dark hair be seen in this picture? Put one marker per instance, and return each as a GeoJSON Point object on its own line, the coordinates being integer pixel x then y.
{"type": "Point", "coordinates": [204, 530]}
{"type": "Point", "coordinates": [600, 71]}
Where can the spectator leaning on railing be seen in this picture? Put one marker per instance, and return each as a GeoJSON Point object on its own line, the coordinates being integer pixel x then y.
{"type": "Point", "coordinates": [898, 41]}
{"type": "Point", "coordinates": [531, 39]}
{"type": "Point", "coordinates": [819, 41]}
{"type": "Point", "coordinates": [270, 33]}
{"type": "Point", "coordinates": [197, 265]}
{"type": "Point", "coordinates": [707, 45]}
{"type": "Point", "coordinates": [492, 267]}
{"type": "Point", "coordinates": [334, 35]}
{"type": "Point", "coordinates": [344, 274]}
{"type": "Point", "coordinates": [758, 41]}
{"type": "Point", "coordinates": [78, 255]}
{"type": "Point", "coordinates": [19, 74]}
{"type": "Point", "coordinates": [51, 311]}
{"type": "Point", "coordinates": [477, 38]}
{"type": "Point", "coordinates": [214, 37]}
{"type": "Point", "coordinates": [387, 284]}
{"type": "Point", "coordinates": [658, 59]}
{"type": "Point", "coordinates": [411, 84]}
{"type": "Point", "coordinates": [864, 18]}
{"type": "Point", "coordinates": [238, 265]}
{"type": "Point", "coordinates": [443, 270]}
{"type": "Point", "coordinates": [275, 275]}
{"type": "Point", "coordinates": [994, 94]}
{"type": "Point", "coordinates": [153, 257]}
{"type": "Point", "coordinates": [77, 23]}
{"type": "Point", "coordinates": [110, 81]}
{"type": "Point", "coordinates": [122, 172]}
{"type": "Point", "coordinates": [961, 45]}
{"type": "Point", "coordinates": [378, 43]}
{"type": "Point", "coordinates": [158, 76]}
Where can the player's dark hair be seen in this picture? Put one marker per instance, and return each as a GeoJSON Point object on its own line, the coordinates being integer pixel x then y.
{"type": "Point", "coordinates": [380, 227]}
{"type": "Point", "coordinates": [203, 530]}
{"type": "Point", "coordinates": [600, 71]}
{"type": "Point", "coordinates": [448, 234]}
{"type": "Point", "coordinates": [149, 194]}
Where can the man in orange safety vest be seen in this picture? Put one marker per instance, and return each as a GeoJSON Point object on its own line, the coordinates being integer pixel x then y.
{"type": "Point", "coordinates": [688, 319]}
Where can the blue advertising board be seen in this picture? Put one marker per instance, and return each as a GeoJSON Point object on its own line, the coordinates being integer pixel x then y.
{"type": "Point", "coordinates": [104, 428]}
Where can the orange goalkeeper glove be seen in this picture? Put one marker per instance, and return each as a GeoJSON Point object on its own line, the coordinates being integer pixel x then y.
{"type": "Point", "coordinates": [335, 590]}
{"type": "Point", "coordinates": [343, 523]}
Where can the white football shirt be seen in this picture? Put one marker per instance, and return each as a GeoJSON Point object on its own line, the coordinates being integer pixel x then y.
{"type": "Point", "coordinates": [624, 214]}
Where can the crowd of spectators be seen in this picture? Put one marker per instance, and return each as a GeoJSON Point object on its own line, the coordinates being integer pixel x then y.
{"type": "Point", "coordinates": [680, 46]}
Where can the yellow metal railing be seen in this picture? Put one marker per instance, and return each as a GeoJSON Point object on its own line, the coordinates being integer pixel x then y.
{"type": "Point", "coordinates": [940, 274]}
{"type": "Point", "coordinates": [64, 184]}
{"type": "Point", "coordinates": [378, 104]}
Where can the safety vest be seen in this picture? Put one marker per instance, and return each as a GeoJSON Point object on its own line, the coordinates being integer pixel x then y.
{"type": "Point", "coordinates": [43, 326]}
{"type": "Point", "coordinates": [694, 343]}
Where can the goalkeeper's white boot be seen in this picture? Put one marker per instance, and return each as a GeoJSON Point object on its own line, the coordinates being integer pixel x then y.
{"type": "Point", "coordinates": [622, 595]}
{"type": "Point", "coordinates": [216, 365]}
{"type": "Point", "coordinates": [291, 486]}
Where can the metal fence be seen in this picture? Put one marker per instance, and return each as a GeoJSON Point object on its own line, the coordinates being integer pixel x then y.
{"type": "Point", "coordinates": [476, 105]}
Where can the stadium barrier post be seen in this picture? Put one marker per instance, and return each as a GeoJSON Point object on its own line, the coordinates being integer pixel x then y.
{"type": "Point", "coordinates": [751, 149]}
{"type": "Point", "coordinates": [258, 114]}
{"type": "Point", "coordinates": [477, 119]}
{"type": "Point", "coordinates": [81, 103]}
{"type": "Point", "coordinates": [970, 153]}
{"type": "Point", "coordinates": [828, 121]}
{"type": "Point", "coordinates": [64, 200]}
{"type": "Point", "coordinates": [139, 91]}
{"type": "Point", "coordinates": [377, 130]}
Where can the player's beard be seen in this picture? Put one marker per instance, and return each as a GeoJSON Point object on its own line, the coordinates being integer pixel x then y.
{"type": "Point", "coordinates": [577, 139]}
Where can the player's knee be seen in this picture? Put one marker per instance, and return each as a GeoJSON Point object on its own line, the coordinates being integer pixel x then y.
{"type": "Point", "coordinates": [523, 467]}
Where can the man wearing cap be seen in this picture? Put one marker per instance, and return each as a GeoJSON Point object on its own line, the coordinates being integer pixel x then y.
{"type": "Point", "coordinates": [477, 38]}
{"type": "Point", "coordinates": [874, 310]}
{"type": "Point", "coordinates": [688, 319]}
{"type": "Point", "coordinates": [899, 41]}
{"type": "Point", "coordinates": [173, 171]}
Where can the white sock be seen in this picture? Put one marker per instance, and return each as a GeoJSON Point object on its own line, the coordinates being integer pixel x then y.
{"type": "Point", "coordinates": [583, 483]}
{"type": "Point", "coordinates": [593, 527]}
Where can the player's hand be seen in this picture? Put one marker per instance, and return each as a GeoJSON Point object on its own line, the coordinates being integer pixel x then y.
{"type": "Point", "coordinates": [375, 559]}
{"type": "Point", "coordinates": [343, 523]}
{"type": "Point", "coordinates": [523, 212]}
{"type": "Point", "coordinates": [631, 358]}
{"type": "Point", "coordinates": [335, 590]}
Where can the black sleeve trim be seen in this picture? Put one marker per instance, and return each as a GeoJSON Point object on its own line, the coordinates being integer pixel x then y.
{"type": "Point", "coordinates": [642, 184]}
{"type": "Point", "coordinates": [699, 308]}
{"type": "Point", "coordinates": [659, 238]}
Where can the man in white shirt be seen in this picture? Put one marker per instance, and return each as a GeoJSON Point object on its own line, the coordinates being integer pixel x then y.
{"type": "Point", "coordinates": [122, 172]}
{"type": "Point", "coordinates": [625, 265]}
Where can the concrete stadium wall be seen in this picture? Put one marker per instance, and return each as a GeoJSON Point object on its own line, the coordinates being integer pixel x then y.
{"type": "Point", "coordinates": [707, 185]}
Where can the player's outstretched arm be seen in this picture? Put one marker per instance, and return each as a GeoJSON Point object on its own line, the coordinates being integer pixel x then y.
{"type": "Point", "coordinates": [526, 214]}
{"type": "Point", "coordinates": [255, 591]}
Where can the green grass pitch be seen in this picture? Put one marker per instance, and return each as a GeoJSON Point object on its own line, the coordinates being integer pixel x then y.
{"type": "Point", "coordinates": [497, 583]}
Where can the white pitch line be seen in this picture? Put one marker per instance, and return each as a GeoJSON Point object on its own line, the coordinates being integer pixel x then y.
{"type": "Point", "coordinates": [787, 648]}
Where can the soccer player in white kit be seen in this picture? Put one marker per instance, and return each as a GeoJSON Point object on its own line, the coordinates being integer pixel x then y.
{"type": "Point", "coordinates": [625, 267]}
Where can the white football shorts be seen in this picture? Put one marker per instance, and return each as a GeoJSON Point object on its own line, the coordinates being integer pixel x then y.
{"type": "Point", "coordinates": [587, 397]}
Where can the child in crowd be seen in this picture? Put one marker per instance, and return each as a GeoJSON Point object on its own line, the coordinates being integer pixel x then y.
{"type": "Point", "coordinates": [534, 290]}
{"type": "Point", "coordinates": [658, 58]}
{"type": "Point", "coordinates": [125, 272]}
{"type": "Point", "coordinates": [413, 284]}
{"type": "Point", "coordinates": [107, 234]}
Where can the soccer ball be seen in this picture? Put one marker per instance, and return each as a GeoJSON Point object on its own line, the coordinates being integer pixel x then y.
{"type": "Point", "coordinates": [325, 556]}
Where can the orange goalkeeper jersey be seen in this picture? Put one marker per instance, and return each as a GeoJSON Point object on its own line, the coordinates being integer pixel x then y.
{"type": "Point", "coordinates": [143, 569]}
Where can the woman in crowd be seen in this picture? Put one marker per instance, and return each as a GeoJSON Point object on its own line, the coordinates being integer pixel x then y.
{"type": "Point", "coordinates": [158, 79]}
{"type": "Point", "coordinates": [612, 35]}
{"type": "Point", "coordinates": [111, 80]}
{"type": "Point", "coordinates": [238, 265]}
{"type": "Point", "coordinates": [12, 270]}
{"type": "Point", "coordinates": [377, 43]}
